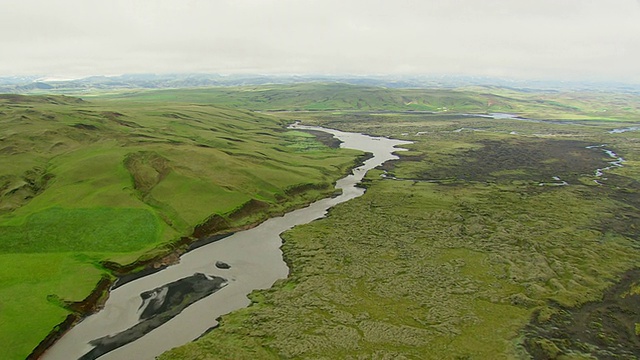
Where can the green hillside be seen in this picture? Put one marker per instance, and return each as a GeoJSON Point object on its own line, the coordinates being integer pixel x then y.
{"type": "Point", "coordinates": [352, 98]}
{"type": "Point", "coordinates": [84, 182]}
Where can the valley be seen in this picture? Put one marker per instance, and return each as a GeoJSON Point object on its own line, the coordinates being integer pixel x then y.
{"type": "Point", "coordinates": [465, 247]}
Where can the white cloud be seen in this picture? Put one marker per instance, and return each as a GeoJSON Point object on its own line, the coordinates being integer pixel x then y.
{"type": "Point", "coordinates": [519, 38]}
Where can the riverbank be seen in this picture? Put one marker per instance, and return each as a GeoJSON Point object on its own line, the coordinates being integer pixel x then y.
{"type": "Point", "coordinates": [253, 261]}
{"type": "Point", "coordinates": [170, 254]}
{"type": "Point", "coordinates": [92, 303]}
{"type": "Point", "coordinates": [221, 238]}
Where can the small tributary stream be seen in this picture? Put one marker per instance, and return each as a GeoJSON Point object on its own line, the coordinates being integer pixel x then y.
{"type": "Point", "coordinates": [250, 260]}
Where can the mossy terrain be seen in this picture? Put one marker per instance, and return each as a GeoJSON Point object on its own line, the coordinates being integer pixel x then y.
{"type": "Point", "coordinates": [86, 183]}
{"type": "Point", "coordinates": [487, 240]}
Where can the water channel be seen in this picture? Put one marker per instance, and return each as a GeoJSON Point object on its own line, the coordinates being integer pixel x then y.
{"type": "Point", "coordinates": [250, 260]}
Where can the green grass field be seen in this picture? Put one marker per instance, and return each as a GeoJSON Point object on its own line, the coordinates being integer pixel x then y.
{"type": "Point", "coordinates": [103, 230]}
{"type": "Point", "coordinates": [29, 285]}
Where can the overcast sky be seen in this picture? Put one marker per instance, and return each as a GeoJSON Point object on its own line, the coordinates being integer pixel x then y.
{"type": "Point", "coordinates": [535, 39]}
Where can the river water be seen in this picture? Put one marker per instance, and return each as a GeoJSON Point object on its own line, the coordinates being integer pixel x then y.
{"type": "Point", "coordinates": [255, 262]}
{"type": "Point", "coordinates": [623, 130]}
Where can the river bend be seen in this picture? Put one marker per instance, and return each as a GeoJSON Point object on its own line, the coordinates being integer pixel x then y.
{"type": "Point", "coordinates": [254, 261]}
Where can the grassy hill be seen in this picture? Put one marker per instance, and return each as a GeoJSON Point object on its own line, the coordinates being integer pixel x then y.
{"type": "Point", "coordinates": [89, 183]}
{"type": "Point", "coordinates": [351, 98]}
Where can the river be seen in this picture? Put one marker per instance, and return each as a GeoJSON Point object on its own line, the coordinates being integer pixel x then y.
{"type": "Point", "coordinates": [254, 261]}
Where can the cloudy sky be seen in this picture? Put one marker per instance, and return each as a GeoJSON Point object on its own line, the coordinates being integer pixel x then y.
{"type": "Point", "coordinates": [534, 39]}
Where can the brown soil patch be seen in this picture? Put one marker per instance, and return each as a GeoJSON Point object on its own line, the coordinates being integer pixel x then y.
{"type": "Point", "coordinates": [215, 223]}
{"type": "Point", "coordinates": [218, 223]}
{"type": "Point", "coordinates": [300, 189]}
{"type": "Point", "coordinates": [251, 207]}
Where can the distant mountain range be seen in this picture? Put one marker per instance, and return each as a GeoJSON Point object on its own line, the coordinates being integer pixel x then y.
{"type": "Point", "coordinates": [43, 84]}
